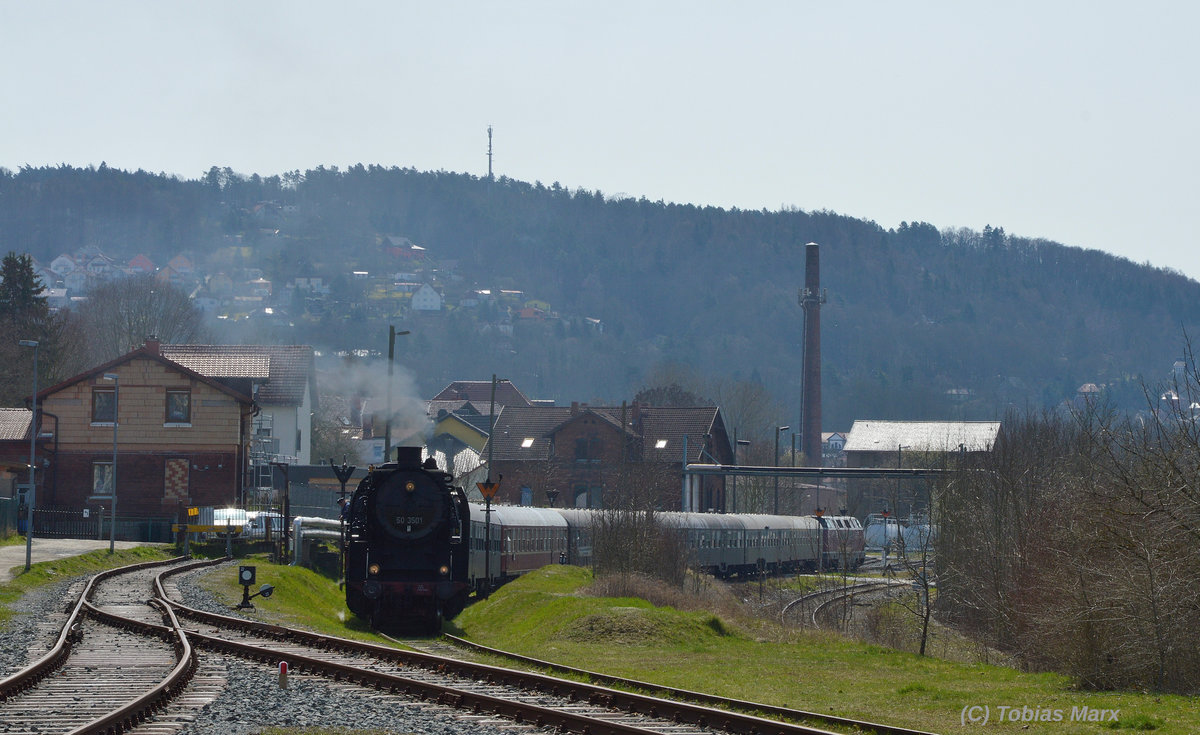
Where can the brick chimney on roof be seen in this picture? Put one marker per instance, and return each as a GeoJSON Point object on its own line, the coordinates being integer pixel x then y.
{"type": "Point", "coordinates": [152, 345]}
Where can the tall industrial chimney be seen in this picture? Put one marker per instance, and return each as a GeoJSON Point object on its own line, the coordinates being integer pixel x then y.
{"type": "Point", "coordinates": [811, 299]}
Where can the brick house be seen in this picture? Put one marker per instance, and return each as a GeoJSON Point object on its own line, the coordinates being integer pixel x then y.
{"type": "Point", "coordinates": [594, 457]}
{"type": "Point", "coordinates": [282, 380]}
{"type": "Point", "coordinates": [180, 437]}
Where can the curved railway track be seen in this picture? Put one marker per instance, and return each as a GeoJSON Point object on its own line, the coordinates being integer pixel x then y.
{"type": "Point", "coordinates": [822, 601]}
{"type": "Point", "coordinates": [102, 674]}
{"type": "Point", "coordinates": [525, 696]}
{"type": "Point", "coordinates": [843, 597]}
{"type": "Point", "coordinates": [106, 657]}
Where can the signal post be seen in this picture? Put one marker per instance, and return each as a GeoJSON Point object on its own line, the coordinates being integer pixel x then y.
{"type": "Point", "coordinates": [488, 490]}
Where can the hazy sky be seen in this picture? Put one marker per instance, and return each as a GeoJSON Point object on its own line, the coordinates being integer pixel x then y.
{"type": "Point", "coordinates": [1073, 121]}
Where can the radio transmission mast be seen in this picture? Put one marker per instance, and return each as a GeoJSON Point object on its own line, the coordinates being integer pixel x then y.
{"type": "Point", "coordinates": [489, 153]}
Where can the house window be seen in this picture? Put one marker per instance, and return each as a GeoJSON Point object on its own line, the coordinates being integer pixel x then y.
{"type": "Point", "coordinates": [588, 497]}
{"type": "Point", "coordinates": [179, 407]}
{"type": "Point", "coordinates": [526, 495]}
{"type": "Point", "coordinates": [102, 478]}
{"type": "Point", "coordinates": [104, 403]}
{"type": "Point", "coordinates": [588, 449]}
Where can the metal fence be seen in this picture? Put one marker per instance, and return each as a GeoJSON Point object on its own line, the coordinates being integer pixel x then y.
{"type": "Point", "coordinates": [303, 500]}
{"type": "Point", "coordinates": [66, 522]}
{"type": "Point", "coordinates": [71, 522]}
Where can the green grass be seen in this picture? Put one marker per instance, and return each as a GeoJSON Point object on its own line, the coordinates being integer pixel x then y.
{"type": "Point", "coordinates": [51, 572]}
{"type": "Point", "coordinates": [542, 615]}
{"type": "Point", "coordinates": [302, 598]}
{"type": "Point", "coordinates": [549, 615]}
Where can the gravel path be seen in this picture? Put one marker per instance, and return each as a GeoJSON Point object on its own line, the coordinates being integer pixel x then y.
{"type": "Point", "coordinates": [251, 698]}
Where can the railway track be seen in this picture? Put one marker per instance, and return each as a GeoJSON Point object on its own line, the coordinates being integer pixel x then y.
{"type": "Point", "coordinates": [123, 654]}
{"type": "Point", "coordinates": [106, 671]}
{"type": "Point", "coordinates": [843, 597]}
{"type": "Point", "coordinates": [809, 608]}
{"type": "Point", "coordinates": [527, 697]}
{"type": "Point", "coordinates": [724, 703]}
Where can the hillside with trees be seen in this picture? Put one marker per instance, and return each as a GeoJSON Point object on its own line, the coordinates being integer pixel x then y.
{"type": "Point", "coordinates": [920, 322]}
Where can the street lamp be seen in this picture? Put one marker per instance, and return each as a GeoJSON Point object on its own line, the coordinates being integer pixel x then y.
{"type": "Point", "coordinates": [112, 474]}
{"type": "Point", "coordinates": [778, 429]}
{"type": "Point", "coordinates": [736, 444]}
{"type": "Point", "coordinates": [29, 494]}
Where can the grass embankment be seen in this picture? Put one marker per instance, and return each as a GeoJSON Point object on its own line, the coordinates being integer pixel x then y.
{"type": "Point", "coordinates": [559, 615]}
{"type": "Point", "coordinates": [301, 598]}
{"type": "Point", "coordinates": [51, 572]}
{"type": "Point", "coordinates": [544, 615]}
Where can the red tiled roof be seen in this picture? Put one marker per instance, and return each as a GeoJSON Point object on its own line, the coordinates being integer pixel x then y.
{"type": "Point", "coordinates": [145, 353]}
{"type": "Point", "coordinates": [479, 392]}
{"type": "Point", "coordinates": [283, 369]}
{"type": "Point", "coordinates": [515, 424]}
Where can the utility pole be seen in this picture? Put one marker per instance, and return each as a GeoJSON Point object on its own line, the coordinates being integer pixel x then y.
{"type": "Point", "coordinates": [30, 493]}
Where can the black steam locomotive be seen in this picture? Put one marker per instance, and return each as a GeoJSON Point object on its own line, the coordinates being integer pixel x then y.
{"type": "Point", "coordinates": [416, 548]}
{"type": "Point", "coordinates": [406, 550]}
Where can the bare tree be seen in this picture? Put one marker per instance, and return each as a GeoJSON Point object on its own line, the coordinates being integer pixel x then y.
{"type": "Point", "coordinates": [121, 313]}
{"type": "Point", "coordinates": [748, 407]}
{"type": "Point", "coordinates": [915, 554]}
{"type": "Point", "coordinates": [627, 533]}
{"type": "Point", "coordinates": [333, 434]}
{"type": "Point", "coordinates": [1073, 545]}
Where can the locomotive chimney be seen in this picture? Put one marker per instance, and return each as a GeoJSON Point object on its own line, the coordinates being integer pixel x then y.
{"type": "Point", "coordinates": [408, 456]}
{"type": "Point", "coordinates": [811, 299]}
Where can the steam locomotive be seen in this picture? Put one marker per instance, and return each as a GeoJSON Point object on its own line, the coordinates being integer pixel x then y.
{"type": "Point", "coordinates": [416, 548]}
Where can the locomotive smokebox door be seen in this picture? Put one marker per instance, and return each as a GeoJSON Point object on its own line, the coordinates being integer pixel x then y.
{"type": "Point", "coordinates": [246, 575]}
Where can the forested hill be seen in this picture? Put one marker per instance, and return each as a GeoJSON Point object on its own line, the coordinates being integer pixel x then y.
{"type": "Point", "coordinates": [915, 316]}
